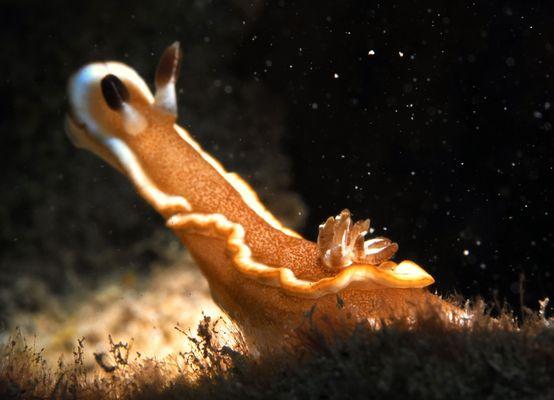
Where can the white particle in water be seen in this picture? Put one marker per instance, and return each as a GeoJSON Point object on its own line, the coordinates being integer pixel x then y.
{"type": "Point", "coordinates": [466, 252]}
{"type": "Point", "coordinates": [371, 53]}
{"type": "Point", "coordinates": [335, 75]}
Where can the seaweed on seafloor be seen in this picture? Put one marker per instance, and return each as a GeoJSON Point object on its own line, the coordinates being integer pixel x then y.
{"type": "Point", "coordinates": [425, 357]}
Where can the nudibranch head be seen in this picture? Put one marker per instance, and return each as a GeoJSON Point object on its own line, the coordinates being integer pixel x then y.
{"type": "Point", "coordinates": [109, 100]}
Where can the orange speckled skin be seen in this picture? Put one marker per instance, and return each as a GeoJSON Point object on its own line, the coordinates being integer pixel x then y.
{"type": "Point", "coordinates": [265, 314]}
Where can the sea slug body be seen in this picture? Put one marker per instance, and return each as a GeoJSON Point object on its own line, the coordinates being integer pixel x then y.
{"type": "Point", "coordinates": [262, 274]}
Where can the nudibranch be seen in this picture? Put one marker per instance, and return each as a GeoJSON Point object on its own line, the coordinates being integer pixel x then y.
{"type": "Point", "coordinates": [262, 274]}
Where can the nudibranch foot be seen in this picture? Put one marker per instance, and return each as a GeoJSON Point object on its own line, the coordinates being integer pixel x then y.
{"type": "Point", "coordinates": [264, 275]}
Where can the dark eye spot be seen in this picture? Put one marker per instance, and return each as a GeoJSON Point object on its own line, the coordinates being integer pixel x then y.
{"type": "Point", "coordinates": [114, 91]}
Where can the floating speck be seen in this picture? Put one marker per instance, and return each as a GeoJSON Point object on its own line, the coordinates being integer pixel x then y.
{"type": "Point", "coordinates": [371, 53]}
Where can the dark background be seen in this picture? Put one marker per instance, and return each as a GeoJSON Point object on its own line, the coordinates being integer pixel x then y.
{"type": "Point", "coordinates": [448, 148]}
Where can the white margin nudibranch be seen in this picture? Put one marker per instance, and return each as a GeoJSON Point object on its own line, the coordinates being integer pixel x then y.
{"type": "Point", "coordinates": [264, 275]}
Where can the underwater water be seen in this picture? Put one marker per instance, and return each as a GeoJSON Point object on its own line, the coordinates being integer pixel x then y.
{"type": "Point", "coordinates": [432, 119]}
